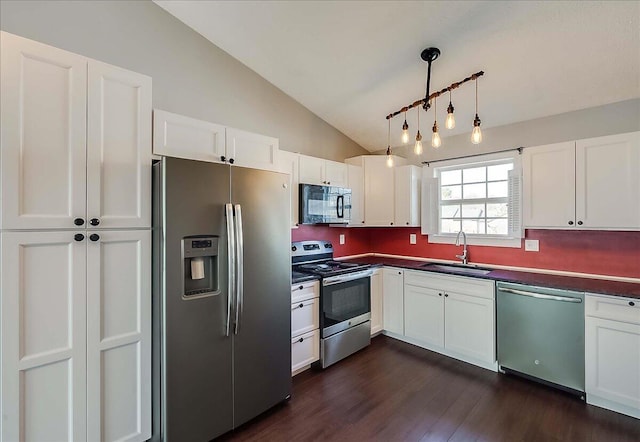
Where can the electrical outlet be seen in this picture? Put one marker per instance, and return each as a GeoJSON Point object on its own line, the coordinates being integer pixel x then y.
{"type": "Point", "coordinates": [342, 239]}
{"type": "Point", "coordinates": [412, 238]}
{"type": "Point", "coordinates": [531, 245]}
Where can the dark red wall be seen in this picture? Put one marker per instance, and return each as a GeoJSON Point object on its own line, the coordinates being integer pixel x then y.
{"type": "Point", "coordinates": [597, 252]}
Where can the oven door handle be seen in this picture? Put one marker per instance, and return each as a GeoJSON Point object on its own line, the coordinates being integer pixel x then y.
{"type": "Point", "coordinates": [346, 277]}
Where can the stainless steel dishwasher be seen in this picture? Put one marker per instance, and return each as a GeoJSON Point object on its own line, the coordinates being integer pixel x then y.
{"type": "Point", "coordinates": [541, 334]}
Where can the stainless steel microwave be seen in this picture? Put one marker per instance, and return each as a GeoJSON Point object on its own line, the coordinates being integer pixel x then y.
{"type": "Point", "coordinates": [324, 204]}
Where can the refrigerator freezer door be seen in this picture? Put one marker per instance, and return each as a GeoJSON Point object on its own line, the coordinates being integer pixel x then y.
{"type": "Point", "coordinates": [196, 354]}
{"type": "Point", "coordinates": [262, 347]}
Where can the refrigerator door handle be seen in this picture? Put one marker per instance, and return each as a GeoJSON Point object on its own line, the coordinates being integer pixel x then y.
{"type": "Point", "coordinates": [231, 263]}
{"type": "Point", "coordinates": [239, 267]}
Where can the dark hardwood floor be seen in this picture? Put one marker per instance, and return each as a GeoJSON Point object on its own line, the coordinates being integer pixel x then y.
{"type": "Point", "coordinates": [392, 391]}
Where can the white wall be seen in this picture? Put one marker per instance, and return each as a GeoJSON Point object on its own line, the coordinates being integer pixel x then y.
{"type": "Point", "coordinates": [609, 119]}
{"type": "Point", "coordinates": [191, 76]}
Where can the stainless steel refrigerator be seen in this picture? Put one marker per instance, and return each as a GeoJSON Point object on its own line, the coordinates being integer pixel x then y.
{"type": "Point", "coordinates": [222, 297]}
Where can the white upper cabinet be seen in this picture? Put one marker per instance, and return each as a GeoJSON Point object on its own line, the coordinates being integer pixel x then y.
{"type": "Point", "coordinates": [608, 182]}
{"type": "Point", "coordinates": [407, 196]}
{"type": "Point", "coordinates": [247, 149]}
{"type": "Point", "coordinates": [588, 184]}
{"type": "Point", "coordinates": [355, 182]}
{"type": "Point", "coordinates": [288, 163]}
{"type": "Point", "coordinates": [322, 172]}
{"type": "Point", "coordinates": [43, 93]}
{"type": "Point", "coordinates": [76, 140]}
{"type": "Point", "coordinates": [183, 137]}
{"type": "Point", "coordinates": [118, 148]}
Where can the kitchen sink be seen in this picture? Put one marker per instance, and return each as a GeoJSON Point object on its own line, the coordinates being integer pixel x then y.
{"type": "Point", "coordinates": [457, 268]}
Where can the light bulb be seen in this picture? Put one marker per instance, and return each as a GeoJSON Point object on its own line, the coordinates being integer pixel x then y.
{"type": "Point", "coordinates": [476, 135]}
{"type": "Point", "coordinates": [417, 149]}
{"type": "Point", "coordinates": [405, 131]}
{"type": "Point", "coordinates": [389, 161]}
{"type": "Point", "coordinates": [450, 122]}
{"type": "Point", "coordinates": [435, 137]}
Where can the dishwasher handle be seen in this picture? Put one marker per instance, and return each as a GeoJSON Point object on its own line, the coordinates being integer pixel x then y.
{"type": "Point", "coordinates": [541, 296]}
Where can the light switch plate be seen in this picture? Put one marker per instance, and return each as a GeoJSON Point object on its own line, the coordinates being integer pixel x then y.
{"type": "Point", "coordinates": [412, 238]}
{"type": "Point", "coordinates": [531, 245]}
{"type": "Point", "coordinates": [341, 238]}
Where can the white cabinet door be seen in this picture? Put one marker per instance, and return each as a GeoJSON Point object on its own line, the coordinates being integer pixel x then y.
{"type": "Point", "coordinates": [312, 170]}
{"type": "Point", "coordinates": [288, 162]}
{"type": "Point", "coordinates": [378, 191]}
{"type": "Point", "coordinates": [118, 148]}
{"type": "Point", "coordinates": [335, 173]}
{"type": "Point", "coordinates": [407, 196]}
{"type": "Point", "coordinates": [43, 336]}
{"type": "Point", "coordinates": [424, 314]}
{"type": "Point", "coordinates": [43, 116]}
{"type": "Point", "coordinates": [549, 185]}
{"type": "Point", "coordinates": [608, 182]}
{"type": "Point", "coordinates": [393, 300]}
{"type": "Point", "coordinates": [376, 302]}
{"type": "Point", "coordinates": [355, 181]}
{"type": "Point", "coordinates": [183, 137]}
{"type": "Point", "coordinates": [247, 149]}
{"type": "Point", "coordinates": [119, 336]}
{"type": "Point", "coordinates": [470, 326]}
{"type": "Point", "coordinates": [612, 363]}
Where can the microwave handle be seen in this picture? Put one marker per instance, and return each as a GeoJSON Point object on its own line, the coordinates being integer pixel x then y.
{"type": "Point", "coordinates": [340, 206]}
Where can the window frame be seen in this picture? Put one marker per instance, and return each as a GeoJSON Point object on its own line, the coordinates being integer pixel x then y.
{"type": "Point", "coordinates": [483, 239]}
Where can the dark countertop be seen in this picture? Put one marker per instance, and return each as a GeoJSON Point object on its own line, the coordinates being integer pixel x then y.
{"type": "Point", "coordinates": [297, 277]}
{"type": "Point", "coordinates": [591, 285]}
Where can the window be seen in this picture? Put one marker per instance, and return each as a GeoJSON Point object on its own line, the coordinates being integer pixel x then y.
{"type": "Point", "coordinates": [475, 199]}
{"type": "Point", "coordinates": [482, 198]}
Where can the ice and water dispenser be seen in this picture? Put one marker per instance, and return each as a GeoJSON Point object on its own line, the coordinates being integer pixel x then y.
{"type": "Point", "coordinates": [200, 273]}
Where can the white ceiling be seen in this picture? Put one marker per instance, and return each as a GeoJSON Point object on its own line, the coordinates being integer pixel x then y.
{"type": "Point", "coordinates": [354, 62]}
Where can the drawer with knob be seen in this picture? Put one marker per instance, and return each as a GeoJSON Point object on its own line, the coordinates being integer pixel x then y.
{"type": "Point", "coordinates": [305, 316]}
{"type": "Point", "coordinates": [304, 290]}
{"type": "Point", "coordinates": [615, 308]}
{"type": "Point", "coordinates": [305, 349]}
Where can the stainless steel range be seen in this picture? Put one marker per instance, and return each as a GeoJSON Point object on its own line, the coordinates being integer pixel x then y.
{"type": "Point", "coordinates": [345, 299]}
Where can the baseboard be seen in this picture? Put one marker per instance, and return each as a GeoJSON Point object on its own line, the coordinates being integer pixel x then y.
{"type": "Point", "coordinates": [613, 406]}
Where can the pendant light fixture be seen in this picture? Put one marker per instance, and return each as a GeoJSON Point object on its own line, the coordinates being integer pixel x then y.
{"type": "Point", "coordinates": [450, 122]}
{"type": "Point", "coordinates": [435, 137]}
{"type": "Point", "coordinates": [405, 130]}
{"type": "Point", "coordinates": [476, 134]}
{"type": "Point", "coordinates": [417, 149]}
{"type": "Point", "coordinates": [389, 157]}
{"type": "Point", "coordinates": [429, 55]}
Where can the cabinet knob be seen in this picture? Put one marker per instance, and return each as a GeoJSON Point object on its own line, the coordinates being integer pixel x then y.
{"type": "Point", "coordinates": [231, 161]}
{"type": "Point", "coordinates": [301, 339]}
{"type": "Point", "coordinates": [579, 223]}
{"type": "Point", "coordinates": [78, 236]}
{"type": "Point", "coordinates": [362, 221]}
{"type": "Point", "coordinates": [301, 287]}
{"type": "Point", "coordinates": [223, 158]}
{"type": "Point", "coordinates": [446, 296]}
{"type": "Point", "coordinates": [328, 182]}
{"type": "Point", "coordinates": [570, 223]}
{"type": "Point", "coordinates": [399, 273]}
{"type": "Point", "coordinates": [391, 223]}
{"type": "Point", "coordinates": [94, 221]}
{"type": "Point", "coordinates": [301, 305]}
{"type": "Point", "coordinates": [407, 222]}
{"type": "Point", "coordinates": [78, 221]}
{"type": "Point", "coordinates": [439, 294]}
{"type": "Point", "coordinates": [94, 237]}
{"type": "Point", "coordinates": [631, 303]}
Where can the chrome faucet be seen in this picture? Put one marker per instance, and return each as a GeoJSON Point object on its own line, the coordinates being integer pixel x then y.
{"type": "Point", "coordinates": [464, 257]}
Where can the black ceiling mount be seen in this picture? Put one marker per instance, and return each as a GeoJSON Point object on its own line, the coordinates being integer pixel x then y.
{"type": "Point", "coordinates": [429, 55]}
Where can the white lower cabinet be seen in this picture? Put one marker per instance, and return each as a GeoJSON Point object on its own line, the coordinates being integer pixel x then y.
{"type": "Point", "coordinates": [76, 335]}
{"type": "Point", "coordinates": [393, 300]}
{"type": "Point", "coordinates": [612, 353]}
{"type": "Point", "coordinates": [452, 315]}
{"type": "Point", "coordinates": [376, 302]}
{"type": "Point", "coordinates": [305, 325]}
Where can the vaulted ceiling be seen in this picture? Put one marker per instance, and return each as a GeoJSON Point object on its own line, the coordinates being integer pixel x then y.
{"type": "Point", "coordinates": [354, 62]}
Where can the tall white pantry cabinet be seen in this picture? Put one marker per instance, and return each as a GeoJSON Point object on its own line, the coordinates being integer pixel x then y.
{"type": "Point", "coordinates": [75, 296]}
